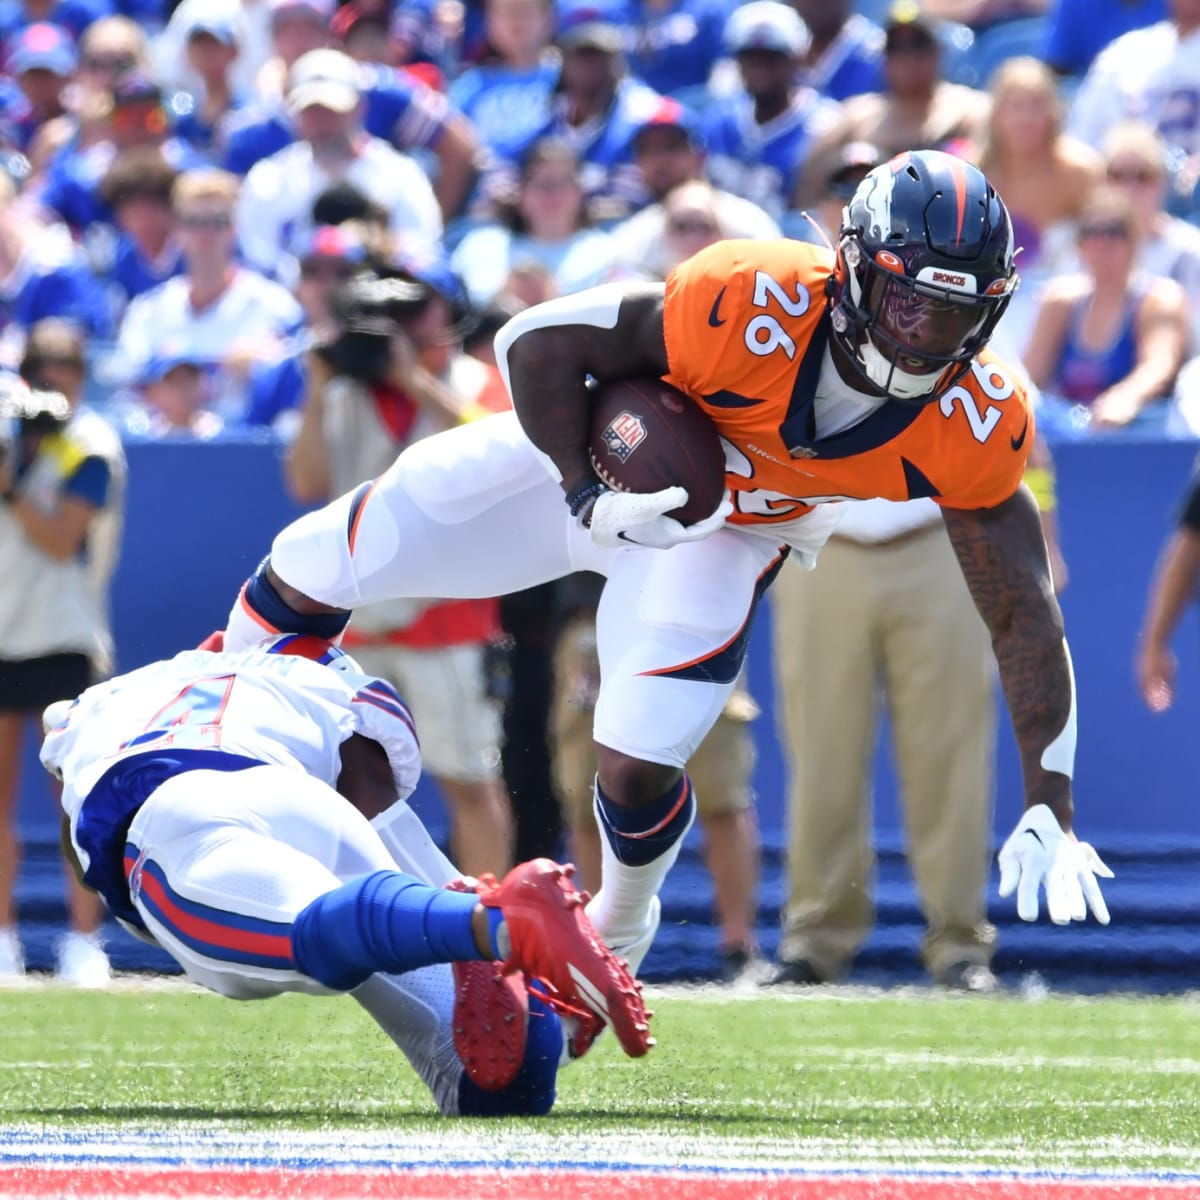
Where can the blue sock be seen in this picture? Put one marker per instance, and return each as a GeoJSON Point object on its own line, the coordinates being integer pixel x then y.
{"type": "Point", "coordinates": [386, 921]}
{"type": "Point", "coordinates": [263, 598]}
{"type": "Point", "coordinates": [532, 1093]}
{"type": "Point", "coordinates": [640, 835]}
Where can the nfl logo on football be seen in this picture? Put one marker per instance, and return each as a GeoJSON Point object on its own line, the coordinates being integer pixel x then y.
{"type": "Point", "coordinates": [625, 433]}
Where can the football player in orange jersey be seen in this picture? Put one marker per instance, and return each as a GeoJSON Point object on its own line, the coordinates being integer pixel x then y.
{"type": "Point", "coordinates": [831, 375]}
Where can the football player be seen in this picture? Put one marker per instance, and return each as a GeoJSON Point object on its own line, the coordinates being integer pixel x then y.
{"type": "Point", "coordinates": [831, 375]}
{"type": "Point", "coordinates": [201, 800]}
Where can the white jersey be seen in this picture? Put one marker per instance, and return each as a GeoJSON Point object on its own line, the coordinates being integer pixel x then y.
{"type": "Point", "coordinates": [271, 708]}
{"type": "Point", "coordinates": [1149, 75]}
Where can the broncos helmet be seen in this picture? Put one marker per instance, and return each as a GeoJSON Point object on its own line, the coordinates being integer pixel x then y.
{"type": "Point", "coordinates": [924, 273]}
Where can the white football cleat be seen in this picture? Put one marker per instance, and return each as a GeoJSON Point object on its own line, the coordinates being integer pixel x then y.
{"type": "Point", "coordinates": [82, 962]}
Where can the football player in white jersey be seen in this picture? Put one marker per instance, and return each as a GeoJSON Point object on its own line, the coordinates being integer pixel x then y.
{"type": "Point", "coordinates": [247, 812]}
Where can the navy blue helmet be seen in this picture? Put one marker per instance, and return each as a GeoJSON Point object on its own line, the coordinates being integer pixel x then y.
{"type": "Point", "coordinates": [924, 273]}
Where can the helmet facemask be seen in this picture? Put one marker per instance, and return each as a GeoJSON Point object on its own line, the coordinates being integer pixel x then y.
{"type": "Point", "coordinates": [912, 338]}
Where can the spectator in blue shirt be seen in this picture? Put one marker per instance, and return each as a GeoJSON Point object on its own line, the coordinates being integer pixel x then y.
{"type": "Point", "coordinates": [758, 141]}
{"type": "Point", "coordinates": [42, 274]}
{"type": "Point", "coordinates": [597, 109]}
{"type": "Point", "coordinates": [676, 42]}
{"type": "Point", "coordinates": [211, 47]}
{"type": "Point", "coordinates": [73, 15]}
{"type": "Point", "coordinates": [137, 190]}
{"type": "Point", "coordinates": [42, 60]}
{"type": "Point", "coordinates": [397, 108]}
{"type": "Point", "coordinates": [845, 55]}
{"type": "Point", "coordinates": [110, 49]}
{"type": "Point", "coordinates": [1079, 29]}
{"type": "Point", "coordinates": [136, 117]}
{"type": "Point", "coordinates": [508, 100]}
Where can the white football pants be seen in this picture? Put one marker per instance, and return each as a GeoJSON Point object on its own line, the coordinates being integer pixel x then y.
{"type": "Point", "coordinates": [221, 863]}
{"type": "Point", "coordinates": [473, 512]}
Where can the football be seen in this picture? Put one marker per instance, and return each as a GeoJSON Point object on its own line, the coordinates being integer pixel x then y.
{"type": "Point", "coordinates": [647, 435]}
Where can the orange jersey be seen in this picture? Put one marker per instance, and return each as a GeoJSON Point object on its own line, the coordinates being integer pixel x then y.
{"type": "Point", "coordinates": [746, 326]}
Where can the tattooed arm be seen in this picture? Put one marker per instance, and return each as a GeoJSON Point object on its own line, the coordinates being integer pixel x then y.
{"type": "Point", "coordinates": [1003, 556]}
{"type": "Point", "coordinates": [545, 353]}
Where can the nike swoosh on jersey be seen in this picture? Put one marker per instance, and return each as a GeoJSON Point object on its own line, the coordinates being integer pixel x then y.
{"type": "Point", "coordinates": [1018, 442]}
{"type": "Point", "coordinates": [714, 317]}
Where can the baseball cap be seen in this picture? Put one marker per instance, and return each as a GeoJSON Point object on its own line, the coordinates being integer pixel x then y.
{"type": "Point", "coordinates": [908, 16]}
{"type": "Point", "coordinates": [331, 241]}
{"type": "Point", "coordinates": [593, 25]}
{"type": "Point", "coordinates": [43, 46]}
{"type": "Point", "coordinates": [219, 23]}
{"type": "Point", "coordinates": [319, 10]}
{"type": "Point", "coordinates": [436, 273]}
{"type": "Point", "coordinates": [350, 16]}
{"type": "Point", "coordinates": [325, 77]}
{"type": "Point", "coordinates": [136, 88]}
{"type": "Point", "coordinates": [166, 358]}
{"type": "Point", "coordinates": [767, 25]}
{"type": "Point", "coordinates": [670, 114]}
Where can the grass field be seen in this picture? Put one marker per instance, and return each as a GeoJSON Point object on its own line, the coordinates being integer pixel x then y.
{"type": "Point", "coordinates": [915, 1082]}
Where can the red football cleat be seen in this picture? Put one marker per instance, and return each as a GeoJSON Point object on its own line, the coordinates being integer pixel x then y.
{"type": "Point", "coordinates": [552, 940]}
{"type": "Point", "coordinates": [491, 1021]}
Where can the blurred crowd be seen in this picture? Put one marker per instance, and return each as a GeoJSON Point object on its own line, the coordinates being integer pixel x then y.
{"type": "Point", "coordinates": [311, 218]}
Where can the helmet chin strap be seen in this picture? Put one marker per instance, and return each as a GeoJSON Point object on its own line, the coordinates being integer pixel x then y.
{"type": "Point", "coordinates": [893, 379]}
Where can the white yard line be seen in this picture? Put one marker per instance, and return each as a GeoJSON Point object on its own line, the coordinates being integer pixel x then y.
{"type": "Point", "coordinates": [200, 1144]}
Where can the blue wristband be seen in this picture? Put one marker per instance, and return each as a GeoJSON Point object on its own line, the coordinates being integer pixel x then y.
{"type": "Point", "coordinates": [582, 498]}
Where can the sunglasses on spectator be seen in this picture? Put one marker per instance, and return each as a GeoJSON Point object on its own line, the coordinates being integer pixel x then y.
{"type": "Point", "coordinates": [911, 46]}
{"type": "Point", "coordinates": [1141, 175]}
{"type": "Point", "coordinates": [217, 222]}
{"type": "Point", "coordinates": [149, 118]}
{"type": "Point", "coordinates": [327, 270]}
{"type": "Point", "coordinates": [1112, 230]}
{"type": "Point", "coordinates": [554, 183]}
{"type": "Point", "coordinates": [67, 362]}
{"type": "Point", "coordinates": [118, 64]}
{"type": "Point", "coordinates": [691, 225]}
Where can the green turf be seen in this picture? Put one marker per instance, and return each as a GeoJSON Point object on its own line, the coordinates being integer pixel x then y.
{"type": "Point", "coordinates": [909, 1079]}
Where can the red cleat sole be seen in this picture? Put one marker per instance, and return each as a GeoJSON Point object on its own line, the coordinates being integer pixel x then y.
{"type": "Point", "coordinates": [490, 1024]}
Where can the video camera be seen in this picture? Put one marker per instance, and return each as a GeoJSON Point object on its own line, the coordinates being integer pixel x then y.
{"type": "Point", "coordinates": [367, 311]}
{"type": "Point", "coordinates": [26, 414]}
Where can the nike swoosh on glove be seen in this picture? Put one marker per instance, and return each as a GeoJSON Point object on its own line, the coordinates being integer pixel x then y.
{"type": "Point", "coordinates": [619, 518]}
{"type": "Point", "coordinates": [1038, 853]}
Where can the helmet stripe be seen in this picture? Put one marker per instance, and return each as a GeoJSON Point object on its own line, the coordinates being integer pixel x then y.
{"type": "Point", "coordinates": [958, 172]}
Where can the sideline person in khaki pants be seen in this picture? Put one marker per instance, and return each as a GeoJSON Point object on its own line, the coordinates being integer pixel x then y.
{"type": "Point", "coordinates": [720, 772]}
{"type": "Point", "coordinates": [904, 631]}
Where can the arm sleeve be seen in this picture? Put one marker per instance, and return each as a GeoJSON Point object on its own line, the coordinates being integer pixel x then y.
{"type": "Point", "coordinates": [406, 112]}
{"type": "Point", "coordinates": [702, 297]}
{"type": "Point", "coordinates": [380, 714]}
{"type": "Point", "coordinates": [89, 481]}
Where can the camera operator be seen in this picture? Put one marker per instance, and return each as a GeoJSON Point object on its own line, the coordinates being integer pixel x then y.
{"type": "Point", "coordinates": [62, 475]}
{"type": "Point", "coordinates": [394, 371]}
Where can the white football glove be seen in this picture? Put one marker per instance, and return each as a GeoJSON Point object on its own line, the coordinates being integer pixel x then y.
{"type": "Point", "coordinates": [619, 518]}
{"type": "Point", "coordinates": [1039, 853]}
